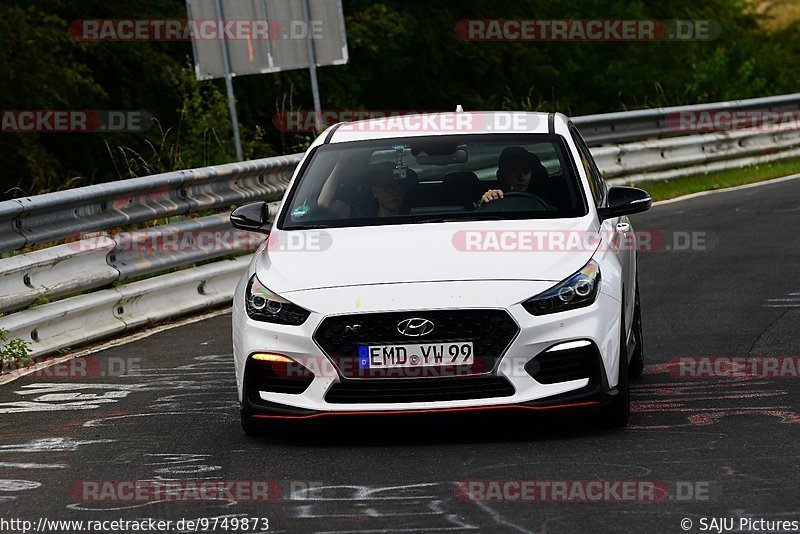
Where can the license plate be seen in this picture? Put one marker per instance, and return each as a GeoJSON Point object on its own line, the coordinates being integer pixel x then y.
{"type": "Point", "coordinates": [417, 355]}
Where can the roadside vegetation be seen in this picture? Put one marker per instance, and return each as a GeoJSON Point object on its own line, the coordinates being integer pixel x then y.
{"type": "Point", "coordinates": [664, 189]}
{"type": "Point", "coordinates": [403, 55]}
{"type": "Point", "coordinates": [14, 353]}
{"type": "Point", "coordinates": [776, 15]}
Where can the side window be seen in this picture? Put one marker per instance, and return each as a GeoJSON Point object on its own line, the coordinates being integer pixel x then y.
{"type": "Point", "coordinates": [596, 182]}
{"type": "Point", "coordinates": [598, 175]}
{"type": "Point", "coordinates": [546, 152]}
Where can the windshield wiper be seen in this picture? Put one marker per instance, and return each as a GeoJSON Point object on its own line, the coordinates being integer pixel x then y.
{"type": "Point", "coordinates": [307, 227]}
{"type": "Point", "coordinates": [457, 219]}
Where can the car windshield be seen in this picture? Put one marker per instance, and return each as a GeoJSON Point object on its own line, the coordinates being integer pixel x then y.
{"type": "Point", "coordinates": [435, 179]}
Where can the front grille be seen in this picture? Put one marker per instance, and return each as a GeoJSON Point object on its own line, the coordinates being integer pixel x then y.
{"type": "Point", "coordinates": [565, 365]}
{"type": "Point", "coordinates": [419, 390]}
{"type": "Point", "coordinates": [490, 331]}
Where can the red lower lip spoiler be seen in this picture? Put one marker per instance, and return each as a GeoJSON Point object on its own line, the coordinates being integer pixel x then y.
{"type": "Point", "coordinates": [507, 407]}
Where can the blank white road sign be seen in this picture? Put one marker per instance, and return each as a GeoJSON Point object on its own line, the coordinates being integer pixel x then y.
{"type": "Point", "coordinates": [251, 51]}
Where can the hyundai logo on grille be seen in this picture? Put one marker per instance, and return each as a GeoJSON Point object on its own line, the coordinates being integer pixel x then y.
{"type": "Point", "coordinates": [415, 327]}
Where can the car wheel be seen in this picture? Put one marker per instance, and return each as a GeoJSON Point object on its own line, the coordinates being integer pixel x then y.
{"type": "Point", "coordinates": [618, 410]}
{"type": "Point", "coordinates": [636, 366]}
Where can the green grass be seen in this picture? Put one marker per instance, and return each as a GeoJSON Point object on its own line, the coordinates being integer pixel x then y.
{"type": "Point", "coordinates": [664, 189]}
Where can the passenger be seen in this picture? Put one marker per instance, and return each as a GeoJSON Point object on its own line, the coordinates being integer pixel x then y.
{"type": "Point", "coordinates": [327, 196]}
{"type": "Point", "coordinates": [388, 194]}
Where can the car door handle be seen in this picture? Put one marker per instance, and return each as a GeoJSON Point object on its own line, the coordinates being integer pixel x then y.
{"type": "Point", "coordinates": [623, 227]}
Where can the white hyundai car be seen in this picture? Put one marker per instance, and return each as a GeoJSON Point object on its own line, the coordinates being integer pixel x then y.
{"type": "Point", "coordinates": [441, 263]}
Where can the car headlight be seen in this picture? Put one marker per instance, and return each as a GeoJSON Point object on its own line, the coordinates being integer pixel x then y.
{"type": "Point", "coordinates": [577, 291]}
{"type": "Point", "coordinates": [264, 305]}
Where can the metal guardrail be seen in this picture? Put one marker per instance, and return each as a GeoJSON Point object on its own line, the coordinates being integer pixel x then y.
{"type": "Point", "coordinates": [57, 216]}
{"type": "Point", "coordinates": [110, 312]}
{"type": "Point", "coordinates": [627, 126]}
{"type": "Point", "coordinates": [643, 159]}
{"type": "Point", "coordinates": [97, 261]}
{"type": "Point", "coordinates": [102, 259]}
{"type": "Point", "coordinates": [55, 272]}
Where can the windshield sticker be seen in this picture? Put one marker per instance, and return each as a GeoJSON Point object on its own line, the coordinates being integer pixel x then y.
{"type": "Point", "coordinates": [300, 211]}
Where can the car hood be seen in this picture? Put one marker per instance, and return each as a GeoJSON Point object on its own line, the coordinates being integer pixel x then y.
{"type": "Point", "coordinates": [540, 250]}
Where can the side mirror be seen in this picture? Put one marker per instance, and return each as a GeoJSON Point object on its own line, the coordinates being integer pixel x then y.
{"type": "Point", "coordinates": [252, 217]}
{"type": "Point", "coordinates": [623, 200]}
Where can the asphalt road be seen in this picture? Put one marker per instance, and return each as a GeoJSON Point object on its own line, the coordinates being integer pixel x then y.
{"type": "Point", "coordinates": [724, 447]}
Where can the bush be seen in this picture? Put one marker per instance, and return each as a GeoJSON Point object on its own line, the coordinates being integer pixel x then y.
{"type": "Point", "coordinates": [14, 353]}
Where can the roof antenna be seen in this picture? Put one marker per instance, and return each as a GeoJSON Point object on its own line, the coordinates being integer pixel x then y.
{"type": "Point", "coordinates": [459, 109]}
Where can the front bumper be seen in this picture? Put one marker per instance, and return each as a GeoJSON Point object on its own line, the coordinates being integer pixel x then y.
{"type": "Point", "coordinates": [598, 324]}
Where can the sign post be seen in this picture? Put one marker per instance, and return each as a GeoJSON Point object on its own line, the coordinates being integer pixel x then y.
{"type": "Point", "coordinates": [226, 66]}
{"type": "Point", "coordinates": [312, 64]}
{"type": "Point", "coordinates": [320, 41]}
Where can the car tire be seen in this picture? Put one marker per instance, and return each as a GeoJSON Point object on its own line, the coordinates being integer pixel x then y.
{"type": "Point", "coordinates": [636, 365]}
{"type": "Point", "coordinates": [618, 411]}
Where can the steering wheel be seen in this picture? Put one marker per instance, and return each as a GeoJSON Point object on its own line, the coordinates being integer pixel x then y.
{"type": "Point", "coordinates": [518, 201]}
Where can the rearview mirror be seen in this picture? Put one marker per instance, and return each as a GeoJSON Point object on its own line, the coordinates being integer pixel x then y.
{"type": "Point", "coordinates": [252, 217]}
{"type": "Point", "coordinates": [458, 156]}
{"type": "Point", "coordinates": [623, 200]}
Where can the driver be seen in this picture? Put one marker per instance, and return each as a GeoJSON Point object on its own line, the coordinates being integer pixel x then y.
{"type": "Point", "coordinates": [514, 172]}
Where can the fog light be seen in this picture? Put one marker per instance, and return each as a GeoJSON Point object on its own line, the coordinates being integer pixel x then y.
{"type": "Point", "coordinates": [270, 357]}
{"type": "Point", "coordinates": [569, 345]}
{"type": "Point", "coordinates": [275, 373]}
{"type": "Point", "coordinates": [569, 360]}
